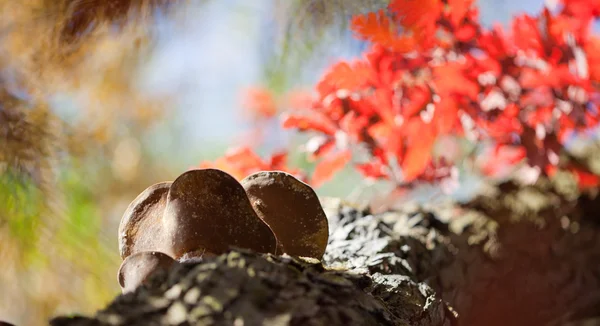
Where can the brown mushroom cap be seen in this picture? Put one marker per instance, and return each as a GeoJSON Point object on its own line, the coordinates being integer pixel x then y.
{"type": "Point", "coordinates": [208, 210]}
{"type": "Point", "coordinates": [136, 268]}
{"type": "Point", "coordinates": [141, 228]}
{"type": "Point", "coordinates": [293, 211]}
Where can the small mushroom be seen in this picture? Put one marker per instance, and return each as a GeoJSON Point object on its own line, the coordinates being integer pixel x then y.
{"type": "Point", "coordinates": [141, 227]}
{"type": "Point", "coordinates": [293, 211]}
{"type": "Point", "coordinates": [208, 210]}
{"type": "Point", "coordinates": [137, 267]}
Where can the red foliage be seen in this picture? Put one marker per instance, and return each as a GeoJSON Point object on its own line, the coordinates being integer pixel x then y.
{"type": "Point", "coordinates": [241, 162]}
{"type": "Point", "coordinates": [432, 67]}
{"type": "Point", "coordinates": [325, 170]}
{"type": "Point", "coordinates": [260, 102]}
{"type": "Point", "coordinates": [433, 70]}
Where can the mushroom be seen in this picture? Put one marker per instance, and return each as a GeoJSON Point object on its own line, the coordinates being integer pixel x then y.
{"type": "Point", "coordinates": [208, 210]}
{"type": "Point", "coordinates": [203, 211]}
{"type": "Point", "coordinates": [141, 227]}
{"type": "Point", "coordinates": [293, 211]}
{"type": "Point", "coordinates": [137, 268]}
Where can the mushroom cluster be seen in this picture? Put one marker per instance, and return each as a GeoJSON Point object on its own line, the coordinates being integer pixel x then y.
{"type": "Point", "coordinates": [207, 212]}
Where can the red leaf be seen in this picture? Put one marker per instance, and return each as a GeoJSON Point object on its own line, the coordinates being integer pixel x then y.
{"type": "Point", "coordinates": [325, 169]}
{"type": "Point", "coordinates": [299, 100]}
{"type": "Point", "coordinates": [418, 152]}
{"type": "Point", "coordinates": [487, 65]}
{"type": "Point", "coordinates": [527, 35]}
{"type": "Point", "coordinates": [344, 75]}
{"type": "Point", "coordinates": [592, 49]}
{"type": "Point", "coordinates": [495, 43]}
{"type": "Point", "coordinates": [313, 122]}
{"type": "Point", "coordinates": [446, 115]}
{"type": "Point", "coordinates": [259, 101]}
{"type": "Point", "coordinates": [382, 104]}
{"type": "Point", "coordinates": [240, 162]}
{"type": "Point", "coordinates": [375, 27]}
{"type": "Point", "coordinates": [395, 141]}
{"type": "Point", "coordinates": [419, 96]}
{"type": "Point", "coordinates": [466, 33]}
{"type": "Point", "coordinates": [583, 9]}
{"type": "Point", "coordinates": [458, 10]}
{"type": "Point", "coordinates": [450, 79]}
{"type": "Point", "coordinates": [501, 157]}
{"type": "Point", "coordinates": [278, 160]}
{"type": "Point", "coordinates": [245, 158]}
{"type": "Point", "coordinates": [354, 124]}
{"type": "Point", "coordinates": [318, 146]}
{"type": "Point", "coordinates": [224, 165]}
{"type": "Point", "coordinates": [374, 170]}
{"type": "Point", "coordinates": [418, 17]}
{"type": "Point", "coordinates": [586, 179]}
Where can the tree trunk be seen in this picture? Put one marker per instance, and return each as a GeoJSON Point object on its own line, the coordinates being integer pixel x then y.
{"type": "Point", "coordinates": [515, 255]}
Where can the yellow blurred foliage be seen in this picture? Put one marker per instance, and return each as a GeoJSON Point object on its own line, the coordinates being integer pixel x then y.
{"type": "Point", "coordinates": [57, 247]}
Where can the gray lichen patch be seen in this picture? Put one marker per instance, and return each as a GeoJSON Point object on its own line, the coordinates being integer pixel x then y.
{"type": "Point", "coordinates": [177, 314]}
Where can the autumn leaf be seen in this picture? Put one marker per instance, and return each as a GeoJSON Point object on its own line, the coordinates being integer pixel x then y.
{"type": "Point", "coordinates": [325, 169]}
{"type": "Point", "coordinates": [582, 9]}
{"type": "Point", "coordinates": [418, 81]}
{"type": "Point", "coordinates": [418, 152]}
{"type": "Point", "coordinates": [466, 33]}
{"type": "Point", "coordinates": [373, 169]}
{"type": "Point", "coordinates": [458, 10]}
{"type": "Point", "coordinates": [382, 104]}
{"type": "Point", "coordinates": [354, 124]}
{"type": "Point", "coordinates": [394, 142]}
{"type": "Point", "coordinates": [446, 115]}
{"type": "Point", "coordinates": [224, 165]}
{"type": "Point", "coordinates": [242, 161]}
{"type": "Point", "coordinates": [592, 49]}
{"type": "Point", "coordinates": [344, 75]}
{"type": "Point", "coordinates": [313, 122]}
{"type": "Point", "coordinates": [418, 16]}
{"type": "Point", "coordinates": [586, 179]}
{"type": "Point", "coordinates": [450, 78]}
{"type": "Point", "coordinates": [418, 97]}
{"type": "Point", "coordinates": [319, 146]}
{"type": "Point", "coordinates": [278, 160]}
{"type": "Point", "coordinates": [245, 157]}
{"type": "Point", "coordinates": [376, 27]}
{"type": "Point", "coordinates": [500, 157]}
{"type": "Point", "coordinates": [528, 37]}
{"type": "Point", "coordinates": [260, 102]}
{"type": "Point", "coordinates": [373, 26]}
{"type": "Point", "coordinates": [299, 100]}
{"type": "Point", "coordinates": [495, 43]}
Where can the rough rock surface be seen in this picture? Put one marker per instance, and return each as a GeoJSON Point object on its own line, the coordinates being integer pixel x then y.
{"type": "Point", "coordinates": [515, 255]}
{"type": "Point", "coordinates": [242, 288]}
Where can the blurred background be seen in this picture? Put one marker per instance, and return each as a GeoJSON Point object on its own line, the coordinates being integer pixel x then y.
{"type": "Point", "coordinates": [135, 107]}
